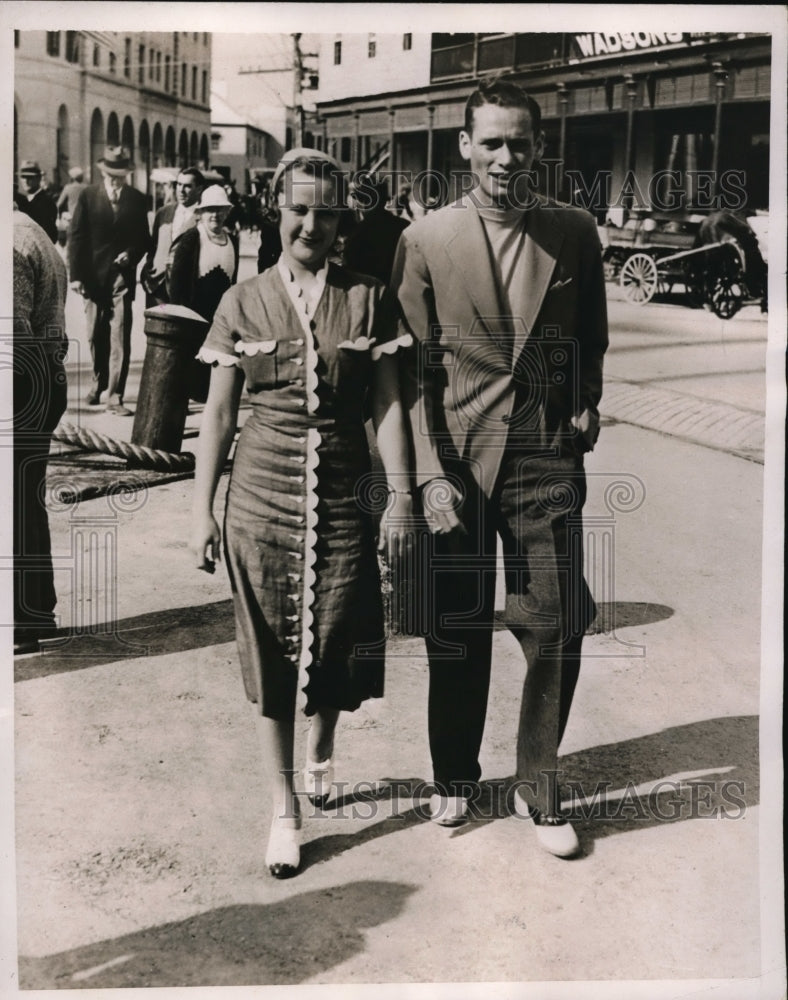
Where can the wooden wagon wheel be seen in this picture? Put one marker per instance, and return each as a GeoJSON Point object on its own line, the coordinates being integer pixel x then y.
{"type": "Point", "coordinates": [639, 278]}
{"type": "Point", "coordinates": [726, 291]}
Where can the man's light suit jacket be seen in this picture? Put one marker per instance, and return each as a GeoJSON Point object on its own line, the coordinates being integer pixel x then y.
{"type": "Point", "coordinates": [483, 381]}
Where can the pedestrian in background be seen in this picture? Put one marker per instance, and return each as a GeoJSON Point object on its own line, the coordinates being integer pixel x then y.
{"type": "Point", "coordinates": [370, 247]}
{"type": "Point", "coordinates": [204, 265]}
{"type": "Point", "coordinates": [312, 341]}
{"type": "Point", "coordinates": [39, 386]}
{"type": "Point", "coordinates": [40, 205]}
{"type": "Point", "coordinates": [108, 238]}
{"type": "Point", "coordinates": [169, 224]}
{"type": "Point", "coordinates": [505, 293]}
{"type": "Point", "coordinates": [67, 202]}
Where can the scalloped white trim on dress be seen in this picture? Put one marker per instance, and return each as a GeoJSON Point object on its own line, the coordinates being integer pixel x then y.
{"type": "Point", "coordinates": [362, 344]}
{"type": "Point", "coordinates": [211, 357]}
{"type": "Point", "coordinates": [313, 440]}
{"type": "Point", "coordinates": [390, 346]}
{"type": "Point", "coordinates": [255, 347]}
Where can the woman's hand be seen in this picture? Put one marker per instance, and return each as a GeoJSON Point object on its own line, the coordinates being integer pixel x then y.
{"type": "Point", "coordinates": [441, 502]}
{"type": "Point", "coordinates": [205, 543]}
{"type": "Point", "coordinates": [397, 526]}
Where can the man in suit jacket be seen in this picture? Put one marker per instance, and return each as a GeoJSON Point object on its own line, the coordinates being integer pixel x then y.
{"type": "Point", "coordinates": [40, 206]}
{"type": "Point", "coordinates": [169, 224]}
{"type": "Point", "coordinates": [504, 292]}
{"type": "Point", "coordinates": [108, 237]}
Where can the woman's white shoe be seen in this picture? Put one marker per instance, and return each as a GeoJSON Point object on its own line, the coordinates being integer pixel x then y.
{"type": "Point", "coordinates": [318, 781]}
{"type": "Point", "coordinates": [283, 854]}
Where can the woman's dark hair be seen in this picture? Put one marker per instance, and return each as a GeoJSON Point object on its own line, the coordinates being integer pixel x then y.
{"type": "Point", "coordinates": [326, 171]}
{"type": "Point", "coordinates": [505, 95]}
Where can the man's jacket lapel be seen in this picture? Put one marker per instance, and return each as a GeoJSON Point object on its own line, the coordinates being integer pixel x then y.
{"type": "Point", "coordinates": [543, 241]}
{"type": "Point", "coordinates": [468, 251]}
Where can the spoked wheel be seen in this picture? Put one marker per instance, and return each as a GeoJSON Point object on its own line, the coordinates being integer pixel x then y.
{"type": "Point", "coordinates": [726, 292]}
{"type": "Point", "coordinates": [639, 278]}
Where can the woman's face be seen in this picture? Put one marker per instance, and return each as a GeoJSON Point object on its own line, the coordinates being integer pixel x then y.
{"type": "Point", "coordinates": [213, 218]}
{"type": "Point", "coordinates": [309, 218]}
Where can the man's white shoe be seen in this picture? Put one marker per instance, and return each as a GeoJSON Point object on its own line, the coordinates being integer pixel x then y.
{"type": "Point", "coordinates": [555, 834]}
{"type": "Point", "coordinates": [448, 810]}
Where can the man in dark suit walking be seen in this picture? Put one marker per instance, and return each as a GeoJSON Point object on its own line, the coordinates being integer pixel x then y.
{"type": "Point", "coordinates": [504, 292]}
{"type": "Point", "coordinates": [108, 237]}
{"type": "Point", "coordinates": [40, 206]}
{"type": "Point", "coordinates": [169, 224]}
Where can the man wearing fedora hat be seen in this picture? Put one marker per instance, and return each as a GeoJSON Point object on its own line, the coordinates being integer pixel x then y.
{"type": "Point", "coordinates": [40, 206]}
{"type": "Point", "coordinates": [108, 237]}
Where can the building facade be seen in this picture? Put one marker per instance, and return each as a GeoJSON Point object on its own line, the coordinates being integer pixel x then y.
{"type": "Point", "coordinates": [668, 120]}
{"type": "Point", "coordinates": [240, 150]}
{"type": "Point", "coordinates": [77, 91]}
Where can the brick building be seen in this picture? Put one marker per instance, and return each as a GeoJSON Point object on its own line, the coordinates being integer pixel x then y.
{"type": "Point", "coordinates": [77, 91]}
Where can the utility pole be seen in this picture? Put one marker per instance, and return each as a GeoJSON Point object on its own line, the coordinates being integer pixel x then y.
{"type": "Point", "coordinates": [298, 70]}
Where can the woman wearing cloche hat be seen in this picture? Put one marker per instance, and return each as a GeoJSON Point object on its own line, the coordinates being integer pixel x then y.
{"type": "Point", "coordinates": [204, 265]}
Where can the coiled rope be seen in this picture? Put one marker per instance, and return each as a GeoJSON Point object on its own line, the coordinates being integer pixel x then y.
{"type": "Point", "coordinates": [138, 456]}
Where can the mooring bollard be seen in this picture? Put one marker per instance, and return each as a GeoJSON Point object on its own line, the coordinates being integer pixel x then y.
{"type": "Point", "coordinates": [175, 334]}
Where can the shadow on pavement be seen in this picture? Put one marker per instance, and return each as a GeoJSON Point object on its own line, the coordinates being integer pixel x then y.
{"type": "Point", "coordinates": [278, 943]}
{"type": "Point", "coordinates": [702, 770]}
{"type": "Point", "coordinates": [153, 634]}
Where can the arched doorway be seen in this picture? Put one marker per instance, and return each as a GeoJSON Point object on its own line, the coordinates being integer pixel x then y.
{"type": "Point", "coordinates": [204, 152]}
{"type": "Point", "coordinates": [169, 147]}
{"type": "Point", "coordinates": [194, 149]}
{"type": "Point", "coordinates": [127, 136]}
{"type": "Point", "coordinates": [96, 143]}
{"type": "Point", "coordinates": [113, 130]}
{"type": "Point", "coordinates": [143, 160]}
{"type": "Point", "coordinates": [183, 149]}
{"type": "Point", "coordinates": [62, 146]}
{"type": "Point", "coordinates": [158, 146]}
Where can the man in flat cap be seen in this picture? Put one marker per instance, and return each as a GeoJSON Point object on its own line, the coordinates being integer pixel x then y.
{"type": "Point", "coordinates": [108, 237]}
{"type": "Point", "coordinates": [40, 206]}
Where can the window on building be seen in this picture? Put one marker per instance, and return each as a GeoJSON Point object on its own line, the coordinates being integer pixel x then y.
{"type": "Point", "coordinates": [371, 47]}
{"type": "Point", "coordinates": [194, 83]}
{"type": "Point", "coordinates": [183, 79]}
{"type": "Point", "coordinates": [216, 139]}
{"type": "Point", "coordinates": [344, 149]}
{"type": "Point", "coordinates": [205, 86]}
{"type": "Point", "coordinates": [16, 39]}
{"type": "Point", "coordinates": [113, 63]}
{"type": "Point", "coordinates": [158, 67]}
{"type": "Point", "coordinates": [152, 65]}
{"type": "Point", "coordinates": [407, 42]}
{"type": "Point", "coordinates": [167, 73]}
{"type": "Point", "coordinates": [337, 53]}
{"type": "Point", "coordinates": [141, 64]}
{"type": "Point", "coordinates": [96, 55]}
{"type": "Point", "coordinates": [53, 43]}
{"type": "Point", "coordinates": [126, 58]}
{"type": "Point", "coordinates": [72, 46]}
{"type": "Point", "coordinates": [205, 37]}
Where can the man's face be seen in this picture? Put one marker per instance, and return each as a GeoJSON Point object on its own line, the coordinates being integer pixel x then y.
{"type": "Point", "coordinates": [30, 183]}
{"type": "Point", "coordinates": [186, 190]}
{"type": "Point", "coordinates": [116, 183]}
{"type": "Point", "coordinates": [501, 149]}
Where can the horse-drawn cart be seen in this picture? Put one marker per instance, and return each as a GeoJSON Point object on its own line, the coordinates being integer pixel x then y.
{"type": "Point", "coordinates": [650, 255]}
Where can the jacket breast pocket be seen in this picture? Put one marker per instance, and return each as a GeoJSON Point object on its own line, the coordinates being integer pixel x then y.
{"type": "Point", "coordinates": [259, 363]}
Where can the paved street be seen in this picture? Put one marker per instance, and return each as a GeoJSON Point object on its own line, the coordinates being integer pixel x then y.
{"type": "Point", "coordinates": [141, 817]}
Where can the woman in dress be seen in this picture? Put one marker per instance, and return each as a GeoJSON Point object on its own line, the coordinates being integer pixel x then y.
{"type": "Point", "coordinates": [316, 346]}
{"type": "Point", "coordinates": [204, 265]}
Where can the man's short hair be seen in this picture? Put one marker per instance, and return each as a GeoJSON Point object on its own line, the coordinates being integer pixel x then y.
{"type": "Point", "coordinates": [505, 95]}
{"type": "Point", "coordinates": [195, 173]}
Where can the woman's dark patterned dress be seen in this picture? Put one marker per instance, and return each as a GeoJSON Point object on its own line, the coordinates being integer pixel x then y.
{"type": "Point", "coordinates": [299, 535]}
